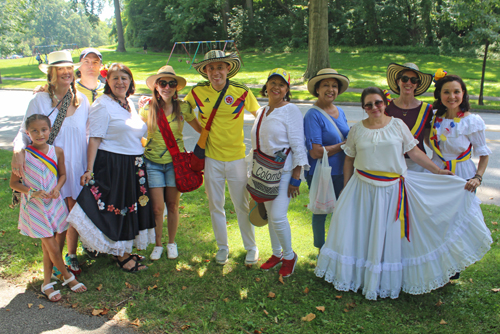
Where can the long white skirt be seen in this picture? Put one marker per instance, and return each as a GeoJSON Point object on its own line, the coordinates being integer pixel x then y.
{"type": "Point", "coordinates": [364, 248]}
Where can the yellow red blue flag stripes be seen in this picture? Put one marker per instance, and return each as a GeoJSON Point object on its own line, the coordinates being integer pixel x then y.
{"type": "Point", "coordinates": [51, 164]}
{"type": "Point", "coordinates": [420, 122]}
{"type": "Point", "coordinates": [402, 212]}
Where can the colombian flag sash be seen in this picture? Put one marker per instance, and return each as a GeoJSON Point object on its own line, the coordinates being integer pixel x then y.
{"type": "Point", "coordinates": [425, 109]}
{"type": "Point", "coordinates": [448, 164]}
{"type": "Point", "coordinates": [51, 164]}
{"type": "Point", "coordinates": [402, 208]}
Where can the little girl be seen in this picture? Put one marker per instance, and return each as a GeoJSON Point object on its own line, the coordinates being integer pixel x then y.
{"type": "Point", "coordinates": [43, 212]}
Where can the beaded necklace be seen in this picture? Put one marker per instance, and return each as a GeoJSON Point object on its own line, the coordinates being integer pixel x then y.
{"type": "Point", "coordinates": [125, 105]}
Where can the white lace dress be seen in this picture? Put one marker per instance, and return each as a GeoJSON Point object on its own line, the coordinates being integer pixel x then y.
{"type": "Point", "coordinates": [364, 249]}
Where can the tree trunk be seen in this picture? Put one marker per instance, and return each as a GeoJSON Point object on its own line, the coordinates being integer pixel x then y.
{"type": "Point", "coordinates": [250, 11]}
{"type": "Point", "coordinates": [480, 102]}
{"type": "Point", "coordinates": [318, 38]}
{"type": "Point", "coordinates": [119, 27]}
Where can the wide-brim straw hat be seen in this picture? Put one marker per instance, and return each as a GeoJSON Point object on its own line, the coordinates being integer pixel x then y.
{"type": "Point", "coordinates": [214, 56]}
{"type": "Point", "coordinates": [328, 73]}
{"type": "Point", "coordinates": [393, 69]}
{"type": "Point", "coordinates": [58, 59]}
{"type": "Point", "coordinates": [257, 214]}
{"type": "Point", "coordinates": [165, 71]}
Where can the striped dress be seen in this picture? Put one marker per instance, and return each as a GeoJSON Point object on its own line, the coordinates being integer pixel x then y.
{"type": "Point", "coordinates": [41, 218]}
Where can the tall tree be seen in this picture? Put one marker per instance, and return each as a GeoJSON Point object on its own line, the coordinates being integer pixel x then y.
{"type": "Point", "coordinates": [318, 57]}
{"type": "Point", "coordinates": [482, 17]}
{"type": "Point", "coordinates": [119, 27]}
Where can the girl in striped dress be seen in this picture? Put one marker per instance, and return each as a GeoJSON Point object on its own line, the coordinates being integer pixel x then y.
{"type": "Point", "coordinates": [43, 212]}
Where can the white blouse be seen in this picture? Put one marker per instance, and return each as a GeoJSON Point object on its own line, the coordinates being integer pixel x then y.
{"type": "Point", "coordinates": [282, 129]}
{"type": "Point", "coordinates": [381, 149]}
{"type": "Point", "coordinates": [470, 130]}
{"type": "Point", "coordinates": [121, 131]}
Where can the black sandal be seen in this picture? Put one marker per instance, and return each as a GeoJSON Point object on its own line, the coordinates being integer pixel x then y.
{"type": "Point", "coordinates": [134, 269]}
{"type": "Point", "coordinates": [135, 257]}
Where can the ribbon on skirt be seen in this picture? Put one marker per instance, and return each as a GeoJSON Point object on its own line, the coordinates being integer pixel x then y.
{"type": "Point", "coordinates": [51, 164]}
{"type": "Point", "coordinates": [402, 212]}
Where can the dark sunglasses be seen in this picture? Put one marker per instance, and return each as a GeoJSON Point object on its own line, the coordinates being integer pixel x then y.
{"type": "Point", "coordinates": [414, 80]}
{"type": "Point", "coordinates": [369, 106]}
{"type": "Point", "coordinates": [164, 83]}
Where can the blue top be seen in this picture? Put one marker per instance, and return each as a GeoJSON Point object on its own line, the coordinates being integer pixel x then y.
{"type": "Point", "coordinates": [319, 130]}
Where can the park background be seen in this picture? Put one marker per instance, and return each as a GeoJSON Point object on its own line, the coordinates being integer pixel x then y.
{"type": "Point", "coordinates": [360, 38]}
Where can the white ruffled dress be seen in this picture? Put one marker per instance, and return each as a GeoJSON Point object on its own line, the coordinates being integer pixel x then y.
{"type": "Point", "coordinates": [470, 130]}
{"type": "Point", "coordinates": [364, 249]}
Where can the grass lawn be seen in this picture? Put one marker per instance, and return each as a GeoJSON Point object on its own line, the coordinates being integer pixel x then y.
{"type": "Point", "coordinates": [364, 69]}
{"type": "Point", "coordinates": [194, 292]}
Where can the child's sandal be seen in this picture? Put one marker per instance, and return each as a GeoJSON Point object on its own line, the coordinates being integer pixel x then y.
{"type": "Point", "coordinates": [76, 287]}
{"type": "Point", "coordinates": [51, 296]}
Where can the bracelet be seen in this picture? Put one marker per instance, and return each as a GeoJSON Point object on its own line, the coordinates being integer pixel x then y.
{"type": "Point", "coordinates": [30, 193]}
{"type": "Point", "coordinates": [295, 182]}
{"type": "Point", "coordinates": [479, 178]}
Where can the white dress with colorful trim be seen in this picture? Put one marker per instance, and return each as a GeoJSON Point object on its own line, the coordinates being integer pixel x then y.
{"type": "Point", "coordinates": [364, 248]}
{"type": "Point", "coordinates": [459, 135]}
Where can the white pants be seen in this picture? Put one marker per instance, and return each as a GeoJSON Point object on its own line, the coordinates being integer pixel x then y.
{"type": "Point", "coordinates": [279, 228]}
{"type": "Point", "coordinates": [235, 172]}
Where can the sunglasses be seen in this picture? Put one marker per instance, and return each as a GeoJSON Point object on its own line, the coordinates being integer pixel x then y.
{"type": "Point", "coordinates": [414, 80]}
{"type": "Point", "coordinates": [369, 106]}
{"type": "Point", "coordinates": [164, 83]}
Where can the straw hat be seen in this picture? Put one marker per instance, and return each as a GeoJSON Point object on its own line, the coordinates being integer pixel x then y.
{"type": "Point", "coordinates": [328, 73]}
{"type": "Point", "coordinates": [393, 69]}
{"type": "Point", "coordinates": [165, 71]}
{"type": "Point", "coordinates": [58, 59]}
{"type": "Point", "coordinates": [214, 56]}
{"type": "Point", "coordinates": [257, 214]}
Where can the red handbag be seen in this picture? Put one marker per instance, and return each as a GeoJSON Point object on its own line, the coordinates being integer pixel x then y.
{"type": "Point", "coordinates": [186, 179]}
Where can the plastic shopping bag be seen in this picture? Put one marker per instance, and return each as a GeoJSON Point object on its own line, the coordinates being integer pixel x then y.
{"type": "Point", "coordinates": [321, 194]}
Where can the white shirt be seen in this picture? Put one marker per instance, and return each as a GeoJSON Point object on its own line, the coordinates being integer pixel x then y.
{"type": "Point", "coordinates": [282, 129]}
{"type": "Point", "coordinates": [121, 131]}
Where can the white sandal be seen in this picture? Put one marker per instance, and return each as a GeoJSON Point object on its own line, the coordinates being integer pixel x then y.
{"type": "Point", "coordinates": [76, 287]}
{"type": "Point", "coordinates": [53, 294]}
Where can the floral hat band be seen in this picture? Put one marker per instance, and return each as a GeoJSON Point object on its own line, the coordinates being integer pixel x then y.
{"type": "Point", "coordinates": [281, 73]}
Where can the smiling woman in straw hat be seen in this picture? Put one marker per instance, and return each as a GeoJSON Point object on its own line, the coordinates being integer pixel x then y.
{"type": "Point", "coordinates": [408, 81]}
{"type": "Point", "coordinates": [325, 128]}
{"type": "Point", "coordinates": [161, 176]}
{"type": "Point", "coordinates": [68, 111]}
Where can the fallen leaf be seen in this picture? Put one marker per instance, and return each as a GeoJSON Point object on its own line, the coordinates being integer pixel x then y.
{"type": "Point", "coordinates": [281, 279]}
{"type": "Point", "coordinates": [226, 300]}
{"type": "Point", "coordinates": [439, 303]}
{"type": "Point", "coordinates": [136, 322]}
{"type": "Point", "coordinates": [470, 279]}
{"type": "Point", "coordinates": [227, 223]}
{"type": "Point", "coordinates": [105, 311]}
{"type": "Point", "coordinates": [99, 288]}
{"type": "Point", "coordinates": [75, 305]}
{"type": "Point", "coordinates": [41, 306]}
{"type": "Point", "coordinates": [184, 287]}
{"type": "Point", "coordinates": [346, 310]}
{"type": "Point", "coordinates": [181, 207]}
{"type": "Point", "coordinates": [206, 260]}
{"type": "Point", "coordinates": [276, 319]}
{"type": "Point", "coordinates": [128, 285]}
{"type": "Point", "coordinates": [29, 305]}
{"type": "Point", "coordinates": [185, 327]}
{"type": "Point", "coordinates": [494, 223]}
{"type": "Point", "coordinates": [249, 266]}
{"type": "Point", "coordinates": [257, 332]}
{"type": "Point", "coordinates": [214, 317]}
{"type": "Point", "coordinates": [305, 205]}
{"type": "Point", "coordinates": [96, 312]}
{"type": "Point", "coordinates": [7, 309]}
{"type": "Point", "coordinates": [306, 291]}
{"type": "Point", "coordinates": [496, 290]}
{"type": "Point", "coordinates": [156, 275]}
{"type": "Point", "coordinates": [442, 322]}
{"type": "Point", "coordinates": [231, 212]}
{"type": "Point", "coordinates": [309, 317]}
{"type": "Point", "coordinates": [271, 295]}
{"type": "Point", "coordinates": [265, 311]}
{"type": "Point", "coordinates": [257, 279]}
{"type": "Point", "coordinates": [152, 287]}
{"type": "Point", "coordinates": [320, 308]}
{"type": "Point", "coordinates": [491, 197]}
{"type": "Point", "coordinates": [338, 297]}
{"type": "Point", "coordinates": [351, 305]}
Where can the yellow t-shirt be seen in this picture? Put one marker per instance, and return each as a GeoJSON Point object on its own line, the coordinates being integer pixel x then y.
{"type": "Point", "coordinates": [225, 140]}
{"type": "Point", "coordinates": [91, 94]}
{"type": "Point", "coordinates": [156, 149]}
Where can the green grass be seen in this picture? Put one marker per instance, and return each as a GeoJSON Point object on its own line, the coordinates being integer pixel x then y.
{"type": "Point", "coordinates": [363, 68]}
{"type": "Point", "coordinates": [194, 291]}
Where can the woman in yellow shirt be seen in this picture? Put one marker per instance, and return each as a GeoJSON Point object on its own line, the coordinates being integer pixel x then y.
{"type": "Point", "coordinates": [161, 177]}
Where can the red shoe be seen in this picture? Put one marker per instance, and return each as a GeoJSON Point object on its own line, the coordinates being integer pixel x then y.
{"type": "Point", "coordinates": [288, 266]}
{"type": "Point", "coordinates": [272, 262]}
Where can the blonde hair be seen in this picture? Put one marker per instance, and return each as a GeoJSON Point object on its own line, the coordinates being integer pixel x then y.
{"type": "Point", "coordinates": [155, 104]}
{"type": "Point", "coordinates": [52, 80]}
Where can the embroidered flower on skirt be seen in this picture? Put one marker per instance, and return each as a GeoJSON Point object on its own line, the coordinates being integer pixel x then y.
{"type": "Point", "coordinates": [139, 162]}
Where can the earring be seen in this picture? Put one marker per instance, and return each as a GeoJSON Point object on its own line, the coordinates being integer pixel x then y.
{"type": "Point", "coordinates": [175, 96]}
{"type": "Point", "coordinates": [265, 92]}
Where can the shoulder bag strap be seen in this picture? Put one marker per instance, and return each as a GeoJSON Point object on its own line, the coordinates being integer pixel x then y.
{"type": "Point", "coordinates": [328, 117]}
{"type": "Point", "coordinates": [166, 133]}
{"type": "Point", "coordinates": [61, 116]}
{"type": "Point", "coordinates": [216, 106]}
{"type": "Point", "coordinates": [258, 130]}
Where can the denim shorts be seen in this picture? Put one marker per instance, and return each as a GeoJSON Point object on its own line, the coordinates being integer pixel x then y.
{"type": "Point", "coordinates": [160, 175]}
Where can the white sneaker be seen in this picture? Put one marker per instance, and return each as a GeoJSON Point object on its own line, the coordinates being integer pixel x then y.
{"type": "Point", "coordinates": [172, 251]}
{"type": "Point", "coordinates": [221, 256]}
{"type": "Point", "coordinates": [252, 257]}
{"type": "Point", "coordinates": [156, 253]}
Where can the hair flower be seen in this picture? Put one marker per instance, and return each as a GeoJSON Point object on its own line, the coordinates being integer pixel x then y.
{"type": "Point", "coordinates": [440, 74]}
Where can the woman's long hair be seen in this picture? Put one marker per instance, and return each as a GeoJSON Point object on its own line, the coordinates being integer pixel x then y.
{"type": "Point", "coordinates": [438, 104]}
{"type": "Point", "coordinates": [52, 80]}
{"type": "Point", "coordinates": [154, 106]}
